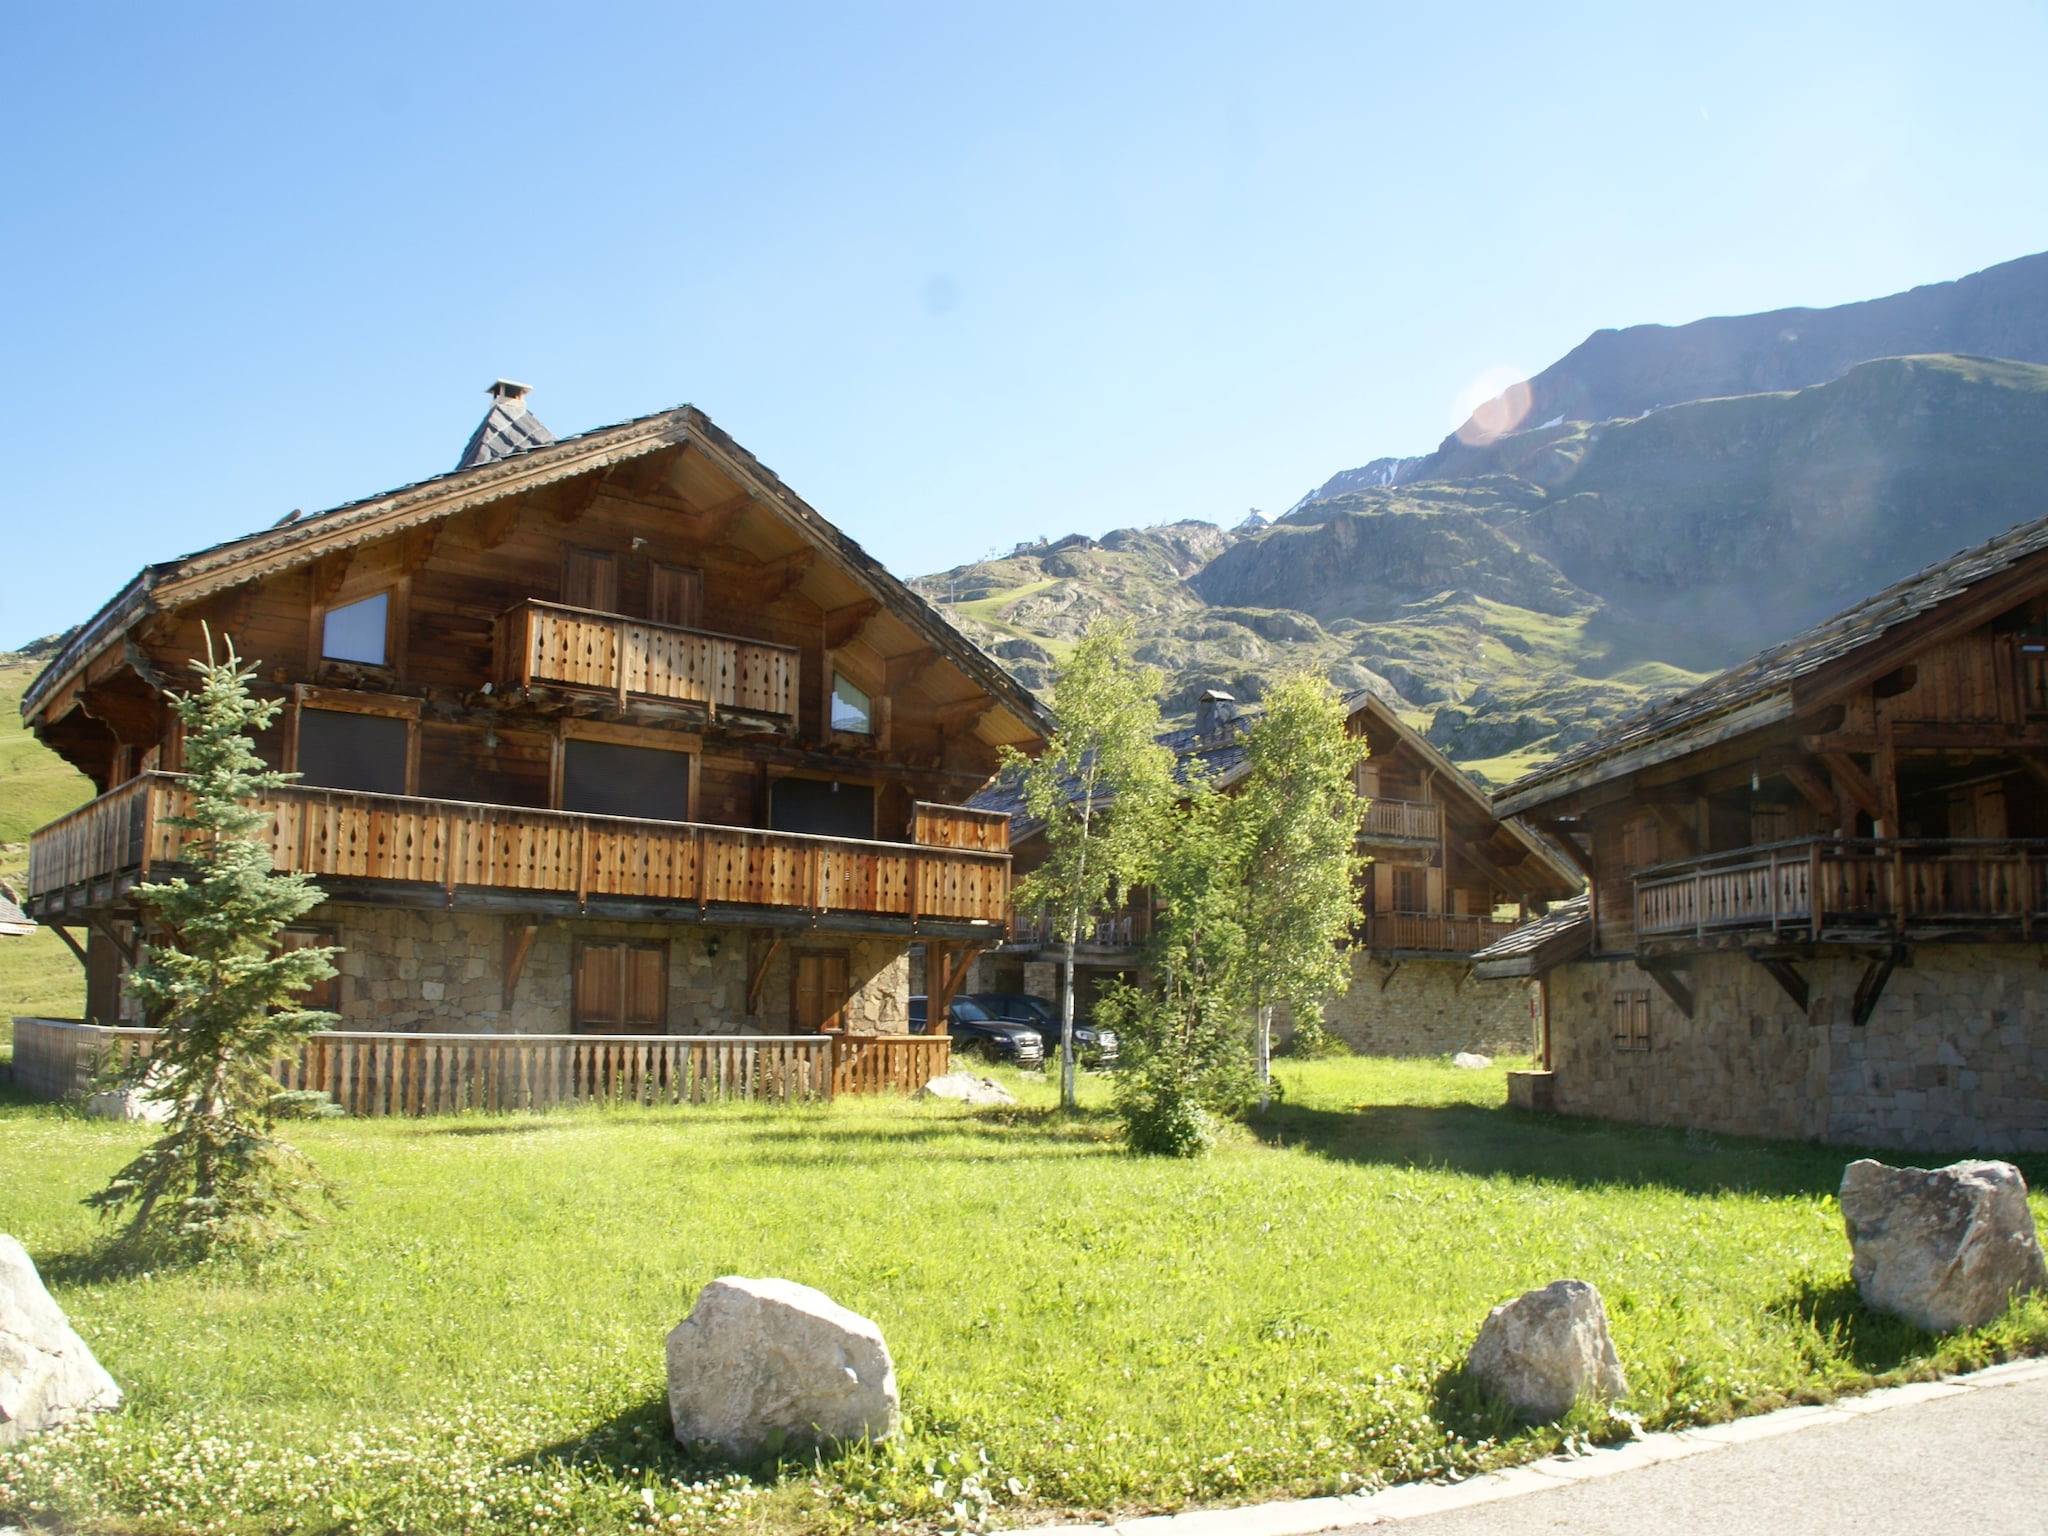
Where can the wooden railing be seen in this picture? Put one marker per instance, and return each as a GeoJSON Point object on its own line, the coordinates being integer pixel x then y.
{"type": "Point", "coordinates": [1813, 885]}
{"type": "Point", "coordinates": [1124, 931]}
{"type": "Point", "coordinates": [451, 844]}
{"type": "Point", "coordinates": [406, 1074]}
{"type": "Point", "coordinates": [959, 826]}
{"type": "Point", "coordinates": [1444, 931]}
{"type": "Point", "coordinates": [549, 643]}
{"type": "Point", "coordinates": [1408, 820]}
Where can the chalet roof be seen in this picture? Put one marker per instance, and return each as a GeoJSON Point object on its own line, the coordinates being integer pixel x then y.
{"type": "Point", "coordinates": [299, 540]}
{"type": "Point", "coordinates": [13, 921]}
{"type": "Point", "coordinates": [1563, 933]}
{"type": "Point", "coordinates": [1759, 691]}
{"type": "Point", "coordinates": [508, 427]}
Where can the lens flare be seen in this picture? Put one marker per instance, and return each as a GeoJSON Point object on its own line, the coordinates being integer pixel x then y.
{"type": "Point", "coordinates": [1492, 405]}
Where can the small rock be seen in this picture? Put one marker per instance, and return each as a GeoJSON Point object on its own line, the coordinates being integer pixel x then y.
{"type": "Point", "coordinates": [1472, 1061]}
{"type": "Point", "coordinates": [1943, 1248]}
{"type": "Point", "coordinates": [967, 1088]}
{"type": "Point", "coordinates": [769, 1365]}
{"type": "Point", "coordinates": [1547, 1348]}
{"type": "Point", "coordinates": [47, 1375]}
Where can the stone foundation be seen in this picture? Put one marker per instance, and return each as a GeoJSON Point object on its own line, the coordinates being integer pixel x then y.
{"type": "Point", "coordinates": [407, 969]}
{"type": "Point", "coordinates": [1430, 1008]}
{"type": "Point", "coordinates": [1954, 1059]}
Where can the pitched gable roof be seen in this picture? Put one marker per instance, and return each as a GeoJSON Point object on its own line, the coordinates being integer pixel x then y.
{"type": "Point", "coordinates": [1776, 683]}
{"type": "Point", "coordinates": [301, 540]}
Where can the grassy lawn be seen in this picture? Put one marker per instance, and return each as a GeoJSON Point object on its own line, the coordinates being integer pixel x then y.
{"type": "Point", "coordinates": [474, 1342]}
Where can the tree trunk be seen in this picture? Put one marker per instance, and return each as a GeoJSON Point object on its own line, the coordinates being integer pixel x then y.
{"type": "Point", "coordinates": [1067, 1026]}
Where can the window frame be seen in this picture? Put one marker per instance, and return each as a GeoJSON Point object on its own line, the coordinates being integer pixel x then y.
{"type": "Point", "coordinates": [328, 610]}
{"type": "Point", "coordinates": [688, 743]}
{"type": "Point", "coordinates": [347, 702]}
{"type": "Point", "coordinates": [868, 731]}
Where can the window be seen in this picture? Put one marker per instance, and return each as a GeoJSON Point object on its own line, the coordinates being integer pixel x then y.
{"type": "Point", "coordinates": [603, 778]}
{"type": "Point", "coordinates": [1632, 1021]}
{"type": "Point", "coordinates": [852, 710]}
{"type": "Point", "coordinates": [323, 995]}
{"type": "Point", "coordinates": [822, 807]}
{"type": "Point", "coordinates": [591, 580]}
{"type": "Point", "coordinates": [356, 631]}
{"type": "Point", "coordinates": [339, 749]}
{"type": "Point", "coordinates": [621, 987]}
{"type": "Point", "coordinates": [675, 595]}
{"type": "Point", "coordinates": [820, 981]}
{"type": "Point", "coordinates": [1408, 895]}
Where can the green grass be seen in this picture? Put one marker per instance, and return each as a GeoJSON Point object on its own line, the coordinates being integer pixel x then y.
{"type": "Point", "coordinates": [36, 785]}
{"type": "Point", "coordinates": [474, 1342]}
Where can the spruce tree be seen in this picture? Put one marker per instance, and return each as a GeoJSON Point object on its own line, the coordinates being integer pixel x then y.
{"type": "Point", "coordinates": [224, 995]}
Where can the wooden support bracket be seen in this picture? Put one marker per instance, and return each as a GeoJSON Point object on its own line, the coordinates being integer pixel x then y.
{"type": "Point", "coordinates": [1855, 785]}
{"type": "Point", "coordinates": [843, 626]}
{"type": "Point", "coordinates": [127, 949]}
{"type": "Point", "coordinates": [945, 968]}
{"type": "Point", "coordinates": [1568, 843]}
{"type": "Point", "coordinates": [757, 982]}
{"type": "Point", "coordinates": [519, 938]}
{"type": "Point", "coordinates": [1816, 791]}
{"type": "Point", "coordinates": [1871, 987]}
{"type": "Point", "coordinates": [1388, 969]}
{"type": "Point", "coordinates": [70, 943]}
{"type": "Point", "coordinates": [1787, 976]}
{"type": "Point", "coordinates": [1670, 984]}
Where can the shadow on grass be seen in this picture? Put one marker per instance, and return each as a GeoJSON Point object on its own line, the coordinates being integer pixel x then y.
{"type": "Point", "coordinates": [641, 1438]}
{"type": "Point", "coordinates": [1471, 1138]}
{"type": "Point", "coordinates": [1873, 1342]}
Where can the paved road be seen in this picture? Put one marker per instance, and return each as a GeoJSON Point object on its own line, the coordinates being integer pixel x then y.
{"type": "Point", "coordinates": [1973, 1463]}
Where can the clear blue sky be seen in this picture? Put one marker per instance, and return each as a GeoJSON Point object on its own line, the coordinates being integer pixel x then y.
{"type": "Point", "coordinates": [961, 274]}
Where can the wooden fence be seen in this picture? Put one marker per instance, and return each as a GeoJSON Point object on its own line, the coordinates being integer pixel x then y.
{"type": "Point", "coordinates": [447, 843]}
{"type": "Point", "coordinates": [549, 643]}
{"type": "Point", "coordinates": [1443, 932]}
{"type": "Point", "coordinates": [1403, 820]}
{"type": "Point", "coordinates": [420, 1074]}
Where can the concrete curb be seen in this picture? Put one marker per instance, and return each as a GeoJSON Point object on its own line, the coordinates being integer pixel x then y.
{"type": "Point", "coordinates": [1407, 1501]}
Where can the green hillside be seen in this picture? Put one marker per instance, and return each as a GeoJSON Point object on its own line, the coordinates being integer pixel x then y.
{"type": "Point", "coordinates": [38, 974]}
{"type": "Point", "coordinates": [1529, 592]}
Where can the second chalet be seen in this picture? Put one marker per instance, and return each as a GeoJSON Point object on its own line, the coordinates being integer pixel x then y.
{"type": "Point", "coordinates": [608, 734]}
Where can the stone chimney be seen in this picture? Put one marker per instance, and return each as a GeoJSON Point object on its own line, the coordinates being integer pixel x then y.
{"type": "Point", "coordinates": [508, 427]}
{"type": "Point", "coordinates": [1215, 715]}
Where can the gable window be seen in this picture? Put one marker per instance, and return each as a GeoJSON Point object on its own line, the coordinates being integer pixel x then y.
{"type": "Point", "coordinates": [621, 987]}
{"type": "Point", "coordinates": [590, 579]}
{"type": "Point", "coordinates": [605, 778]}
{"type": "Point", "coordinates": [340, 749]}
{"type": "Point", "coordinates": [852, 710]}
{"type": "Point", "coordinates": [356, 631]}
{"type": "Point", "coordinates": [675, 595]}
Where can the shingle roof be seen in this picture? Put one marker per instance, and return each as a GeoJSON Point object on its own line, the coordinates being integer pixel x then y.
{"type": "Point", "coordinates": [1563, 933]}
{"type": "Point", "coordinates": [12, 919]}
{"type": "Point", "coordinates": [1774, 671]}
{"type": "Point", "coordinates": [508, 427]}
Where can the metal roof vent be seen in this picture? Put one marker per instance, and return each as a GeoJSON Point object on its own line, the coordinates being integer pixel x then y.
{"type": "Point", "coordinates": [508, 427]}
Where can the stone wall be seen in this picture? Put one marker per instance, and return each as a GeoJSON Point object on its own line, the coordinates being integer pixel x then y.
{"type": "Point", "coordinates": [1430, 1008]}
{"type": "Point", "coordinates": [1954, 1059]}
{"type": "Point", "coordinates": [408, 969]}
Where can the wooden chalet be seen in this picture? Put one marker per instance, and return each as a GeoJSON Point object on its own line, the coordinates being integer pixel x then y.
{"type": "Point", "coordinates": [610, 734]}
{"type": "Point", "coordinates": [1447, 879]}
{"type": "Point", "coordinates": [1819, 882]}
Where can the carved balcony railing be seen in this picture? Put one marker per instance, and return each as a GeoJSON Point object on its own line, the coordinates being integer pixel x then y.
{"type": "Point", "coordinates": [1811, 888]}
{"type": "Point", "coordinates": [1406, 821]}
{"type": "Point", "coordinates": [1429, 932]}
{"type": "Point", "coordinates": [557, 646]}
{"type": "Point", "coordinates": [85, 858]}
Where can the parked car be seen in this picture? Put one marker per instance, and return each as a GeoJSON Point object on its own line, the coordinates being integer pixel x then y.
{"type": "Point", "coordinates": [1095, 1047]}
{"type": "Point", "coordinates": [975, 1031]}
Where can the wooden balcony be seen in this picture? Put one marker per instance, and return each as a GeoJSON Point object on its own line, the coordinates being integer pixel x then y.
{"type": "Point", "coordinates": [512, 859]}
{"type": "Point", "coordinates": [1816, 889]}
{"type": "Point", "coordinates": [556, 646]}
{"type": "Point", "coordinates": [1429, 933]}
{"type": "Point", "coordinates": [1401, 821]}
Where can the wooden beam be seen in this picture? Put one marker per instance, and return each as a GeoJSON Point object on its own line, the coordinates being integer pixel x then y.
{"type": "Point", "coordinates": [1787, 976]}
{"type": "Point", "coordinates": [713, 524]}
{"type": "Point", "coordinates": [1565, 836]}
{"type": "Point", "coordinates": [945, 968]}
{"type": "Point", "coordinates": [1671, 985]}
{"type": "Point", "coordinates": [126, 948]}
{"type": "Point", "coordinates": [576, 498]}
{"type": "Point", "coordinates": [902, 671]}
{"type": "Point", "coordinates": [518, 941]}
{"type": "Point", "coordinates": [1871, 987]}
{"type": "Point", "coordinates": [416, 546]}
{"type": "Point", "coordinates": [758, 980]}
{"type": "Point", "coordinates": [70, 943]}
{"type": "Point", "coordinates": [785, 573]}
{"type": "Point", "coordinates": [329, 572]}
{"type": "Point", "coordinates": [1854, 785]}
{"type": "Point", "coordinates": [493, 523]}
{"type": "Point", "coordinates": [844, 625]}
{"type": "Point", "coordinates": [1816, 793]}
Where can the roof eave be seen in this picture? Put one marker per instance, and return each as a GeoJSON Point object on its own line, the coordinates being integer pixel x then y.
{"type": "Point", "coordinates": [1542, 788]}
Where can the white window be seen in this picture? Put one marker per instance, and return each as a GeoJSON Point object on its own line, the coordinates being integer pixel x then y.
{"type": "Point", "coordinates": [851, 709]}
{"type": "Point", "coordinates": [355, 632]}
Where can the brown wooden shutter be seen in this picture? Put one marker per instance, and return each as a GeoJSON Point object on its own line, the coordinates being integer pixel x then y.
{"type": "Point", "coordinates": [676, 596]}
{"type": "Point", "coordinates": [646, 988]}
{"type": "Point", "coordinates": [820, 983]}
{"type": "Point", "coordinates": [1642, 1021]}
{"type": "Point", "coordinates": [598, 1005]}
{"type": "Point", "coordinates": [591, 580]}
{"type": "Point", "coordinates": [324, 995]}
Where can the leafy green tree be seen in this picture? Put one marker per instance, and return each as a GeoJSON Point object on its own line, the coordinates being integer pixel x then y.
{"type": "Point", "coordinates": [223, 994]}
{"type": "Point", "coordinates": [1101, 787]}
{"type": "Point", "coordinates": [1295, 815]}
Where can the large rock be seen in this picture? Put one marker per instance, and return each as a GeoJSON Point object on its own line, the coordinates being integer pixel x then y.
{"type": "Point", "coordinates": [1944, 1248]}
{"type": "Point", "coordinates": [1471, 1061]}
{"type": "Point", "coordinates": [47, 1375]}
{"type": "Point", "coordinates": [1547, 1348]}
{"type": "Point", "coordinates": [766, 1365]}
{"type": "Point", "coordinates": [966, 1088]}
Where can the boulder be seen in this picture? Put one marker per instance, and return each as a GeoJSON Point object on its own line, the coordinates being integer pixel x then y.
{"type": "Point", "coordinates": [762, 1366]}
{"type": "Point", "coordinates": [967, 1089]}
{"type": "Point", "coordinates": [47, 1375]}
{"type": "Point", "coordinates": [1547, 1348]}
{"type": "Point", "coordinates": [128, 1104]}
{"type": "Point", "coordinates": [1471, 1061]}
{"type": "Point", "coordinates": [1944, 1248]}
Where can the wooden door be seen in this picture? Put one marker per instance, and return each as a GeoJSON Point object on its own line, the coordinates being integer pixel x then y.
{"type": "Point", "coordinates": [621, 988]}
{"type": "Point", "coordinates": [675, 595]}
{"type": "Point", "coordinates": [820, 981]}
{"type": "Point", "coordinates": [591, 580]}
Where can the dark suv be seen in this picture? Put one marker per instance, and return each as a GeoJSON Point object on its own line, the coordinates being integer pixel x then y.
{"type": "Point", "coordinates": [974, 1029]}
{"type": "Point", "coordinates": [1095, 1047]}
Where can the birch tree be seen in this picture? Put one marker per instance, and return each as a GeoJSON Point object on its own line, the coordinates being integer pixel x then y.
{"type": "Point", "coordinates": [1102, 788]}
